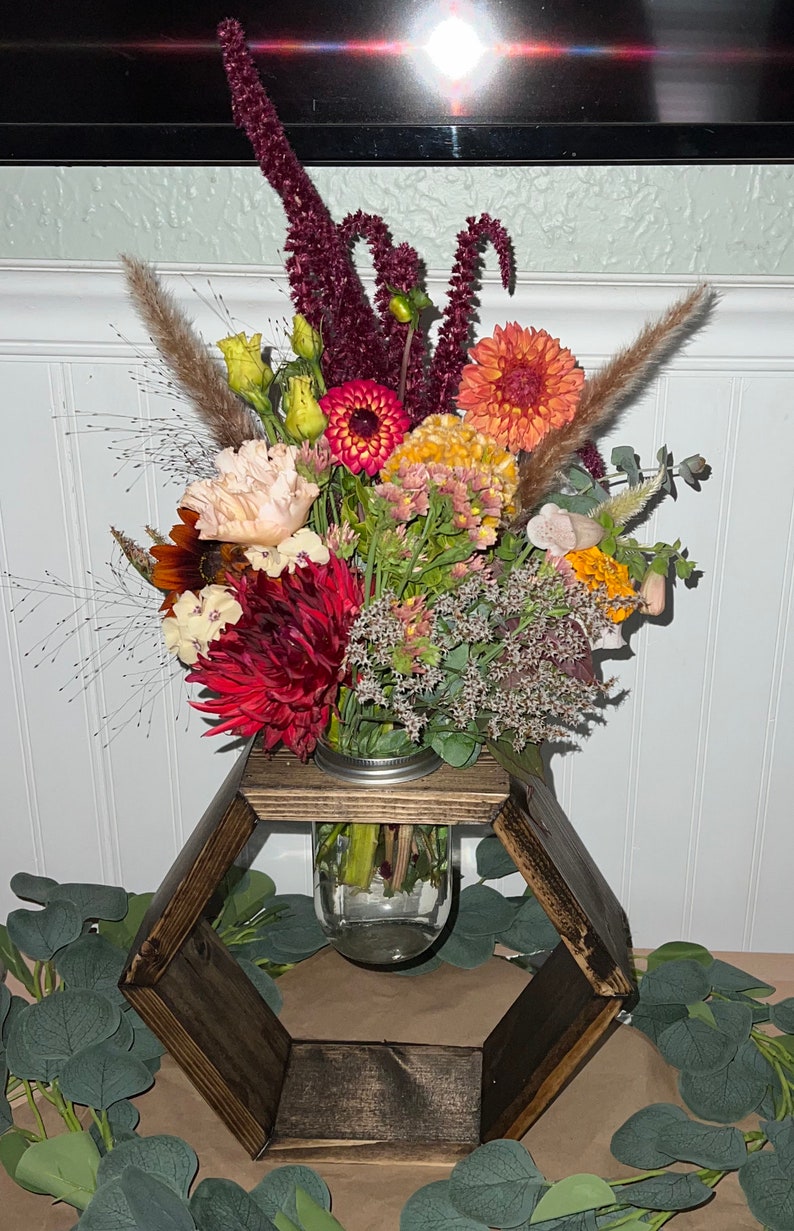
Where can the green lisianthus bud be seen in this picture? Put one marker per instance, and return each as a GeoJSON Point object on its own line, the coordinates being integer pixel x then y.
{"type": "Point", "coordinates": [305, 341]}
{"type": "Point", "coordinates": [304, 419]}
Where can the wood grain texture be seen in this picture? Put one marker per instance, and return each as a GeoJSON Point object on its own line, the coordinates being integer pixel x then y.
{"type": "Point", "coordinates": [219, 1030]}
{"type": "Point", "coordinates": [351, 1100]}
{"type": "Point", "coordinates": [284, 789]}
{"type": "Point", "coordinates": [556, 865]}
{"type": "Point", "coordinates": [538, 1045]}
{"type": "Point", "coordinates": [194, 876]}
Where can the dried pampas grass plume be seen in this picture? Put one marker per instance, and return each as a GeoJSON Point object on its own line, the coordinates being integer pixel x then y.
{"type": "Point", "coordinates": [197, 376]}
{"type": "Point", "coordinates": [605, 393]}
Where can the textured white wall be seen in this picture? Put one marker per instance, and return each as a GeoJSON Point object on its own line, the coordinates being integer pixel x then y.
{"type": "Point", "coordinates": [644, 220]}
{"type": "Point", "coordinates": [683, 796]}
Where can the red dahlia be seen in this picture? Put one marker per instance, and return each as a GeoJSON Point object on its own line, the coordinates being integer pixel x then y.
{"type": "Point", "coordinates": [366, 422]}
{"type": "Point", "coordinates": [278, 669]}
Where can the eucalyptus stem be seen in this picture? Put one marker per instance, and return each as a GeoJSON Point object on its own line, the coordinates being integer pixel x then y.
{"type": "Point", "coordinates": [49, 978]}
{"type": "Point", "coordinates": [37, 969]}
{"type": "Point", "coordinates": [34, 1110]}
{"type": "Point", "coordinates": [103, 1124]}
{"type": "Point", "coordinates": [66, 1109]}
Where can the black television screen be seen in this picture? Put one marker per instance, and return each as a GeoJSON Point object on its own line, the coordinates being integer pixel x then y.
{"type": "Point", "coordinates": [418, 80]}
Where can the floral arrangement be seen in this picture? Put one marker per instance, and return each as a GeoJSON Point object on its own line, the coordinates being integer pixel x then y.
{"type": "Point", "coordinates": [388, 546]}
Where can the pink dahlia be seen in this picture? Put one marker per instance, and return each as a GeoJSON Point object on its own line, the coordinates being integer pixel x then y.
{"type": "Point", "coordinates": [366, 423]}
{"type": "Point", "coordinates": [279, 668]}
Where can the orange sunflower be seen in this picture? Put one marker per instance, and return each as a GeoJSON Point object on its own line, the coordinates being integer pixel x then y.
{"type": "Point", "coordinates": [520, 385]}
{"type": "Point", "coordinates": [190, 563]}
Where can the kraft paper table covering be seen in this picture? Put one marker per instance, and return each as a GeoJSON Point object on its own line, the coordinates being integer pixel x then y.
{"type": "Point", "coordinates": [327, 997]}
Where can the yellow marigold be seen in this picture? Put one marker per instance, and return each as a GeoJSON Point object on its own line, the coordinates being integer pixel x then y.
{"type": "Point", "coordinates": [447, 440]}
{"type": "Point", "coordinates": [598, 571]}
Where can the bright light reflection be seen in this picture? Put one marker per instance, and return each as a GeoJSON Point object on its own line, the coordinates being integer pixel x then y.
{"type": "Point", "coordinates": [455, 48]}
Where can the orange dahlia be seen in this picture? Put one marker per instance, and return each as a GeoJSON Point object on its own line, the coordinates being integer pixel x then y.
{"type": "Point", "coordinates": [599, 572]}
{"type": "Point", "coordinates": [520, 385]}
{"type": "Point", "coordinates": [190, 563]}
{"type": "Point", "coordinates": [366, 422]}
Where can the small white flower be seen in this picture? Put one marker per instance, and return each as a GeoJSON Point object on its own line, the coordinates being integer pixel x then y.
{"type": "Point", "coordinates": [294, 552]}
{"type": "Point", "coordinates": [197, 620]}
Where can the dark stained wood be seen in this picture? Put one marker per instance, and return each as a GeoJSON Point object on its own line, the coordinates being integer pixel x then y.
{"type": "Point", "coordinates": [204, 860]}
{"type": "Point", "coordinates": [551, 1029]}
{"type": "Point", "coordinates": [283, 789]}
{"type": "Point", "coordinates": [411, 1102]}
{"type": "Point", "coordinates": [222, 1034]}
{"type": "Point", "coordinates": [359, 1100]}
{"type": "Point", "coordinates": [554, 862]}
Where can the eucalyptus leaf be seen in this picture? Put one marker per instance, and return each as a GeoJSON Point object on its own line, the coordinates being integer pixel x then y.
{"type": "Point", "coordinates": [624, 458]}
{"type": "Point", "coordinates": [498, 1184]}
{"type": "Point", "coordinates": [724, 1096]}
{"type": "Point", "coordinates": [153, 1205]}
{"type": "Point", "coordinates": [32, 888]}
{"type": "Point", "coordinates": [422, 967]}
{"type": "Point", "coordinates": [60, 1025]}
{"type": "Point", "coordinates": [264, 984]}
{"type": "Point", "coordinates": [675, 950]}
{"type": "Point", "coordinates": [572, 1195]}
{"type": "Point", "coordinates": [719, 1148]}
{"type": "Point", "coordinates": [123, 1036]}
{"type": "Point", "coordinates": [145, 1043]}
{"type": "Point", "coordinates": [636, 1142]}
{"type": "Point", "coordinates": [726, 978]}
{"type": "Point", "coordinates": [430, 1209]}
{"type": "Point", "coordinates": [12, 1146]}
{"type": "Point", "coordinates": [109, 1210]}
{"type": "Point", "coordinates": [652, 1019]}
{"type": "Point", "coordinates": [282, 1223]}
{"type": "Point", "coordinates": [41, 933]}
{"type": "Point", "coordinates": [23, 1059]}
{"type": "Point", "coordinates": [666, 1192]}
{"type": "Point", "coordinates": [18, 1005]}
{"type": "Point", "coordinates": [782, 1015]}
{"type": "Point", "coordinates": [466, 952]}
{"type": "Point", "coordinates": [526, 765]}
{"type": "Point", "coordinates": [493, 861]}
{"type": "Point", "coordinates": [678, 982]}
{"type": "Point", "coordinates": [92, 901]}
{"type": "Point", "coordinates": [531, 930]}
{"type": "Point", "coordinates": [5, 1003]}
{"type": "Point", "coordinates": [692, 1045]}
{"type": "Point", "coordinates": [482, 911]}
{"type": "Point", "coordinates": [768, 1187]}
{"type": "Point", "coordinates": [248, 897]}
{"type": "Point", "coordinates": [6, 1114]}
{"type": "Point", "coordinates": [171, 1159]}
{"type": "Point", "coordinates": [457, 748]}
{"type": "Point", "coordinates": [122, 932]}
{"type": "Point", "coordinates": [65, 1167]}
{"type": "Point", "coordinates": [312, 1216]}
{"type": "Point", "coordinates": [733, 1019]}
{"type": "Point", "coordinates": [295, 905]}
{"type": "Point", "coordinates": [749, 1055]}
{"type": "Point", "coordinates": [222, 1205]}
{"type": "Point", "coordinates": [781, 1134]}
{"type": "Point", "coordinates": [585, 1220]}
{"type": "Point", "coordinates": [100, 1075]}
{"type": "Point", "coordinates": [92, 962]}
{"type": "Point", "coordinates": [13, 961]}
{"type": "Point", "coordinates": [276, 1191]}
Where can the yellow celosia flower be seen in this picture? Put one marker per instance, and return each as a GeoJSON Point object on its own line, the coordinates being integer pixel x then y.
{"type": "Point", "coordinates": [448, 440]}
{"type": "Point", "coordinates": [597, 571]}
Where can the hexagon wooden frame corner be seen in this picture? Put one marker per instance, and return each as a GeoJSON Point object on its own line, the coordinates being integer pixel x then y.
{"type": "Point", "coordinates": [411, 1101]}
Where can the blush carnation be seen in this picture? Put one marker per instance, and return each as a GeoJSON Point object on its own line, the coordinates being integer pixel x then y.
{"type": "Point", "coordinates": [366, 422]}
{"type": "Point", "coordinates": [278, 670]}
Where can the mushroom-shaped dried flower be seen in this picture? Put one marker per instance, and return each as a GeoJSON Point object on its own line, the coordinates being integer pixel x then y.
{"type": "Point", "coordinates": [557, 531]}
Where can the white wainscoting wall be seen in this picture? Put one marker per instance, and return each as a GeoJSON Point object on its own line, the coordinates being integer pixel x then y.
{"type": "Point", "coordinates": [683, 797]}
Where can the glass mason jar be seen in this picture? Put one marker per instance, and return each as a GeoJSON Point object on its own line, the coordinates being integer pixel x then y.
{"type": "Point", "coordinates": [382, 892]}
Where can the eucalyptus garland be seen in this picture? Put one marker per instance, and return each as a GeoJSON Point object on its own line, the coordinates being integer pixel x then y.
{"type": "Point", "coordinates": [73, 1043]}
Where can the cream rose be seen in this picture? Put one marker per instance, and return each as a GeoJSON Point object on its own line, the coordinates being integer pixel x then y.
{"type": "Point", "coordinates": [258, 498]}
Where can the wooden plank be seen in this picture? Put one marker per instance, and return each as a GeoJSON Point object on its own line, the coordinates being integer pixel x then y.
{"type": "Point", "coordinates": [369, 1101]}
{"type": "Point", "coordinates": [283, 789]}
{"type": "Point", "coordinates": [551, 1029]}
{"type": "Point", "coordinates": [556, 865]}
{"type": "Point", "coordinates": [205, 858]}
{"type": "Point", "coordinates": [221, 1033]}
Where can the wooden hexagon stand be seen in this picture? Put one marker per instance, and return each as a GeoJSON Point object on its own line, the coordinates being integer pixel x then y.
{"type": "Point", "coordinates": [410, 1101]}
